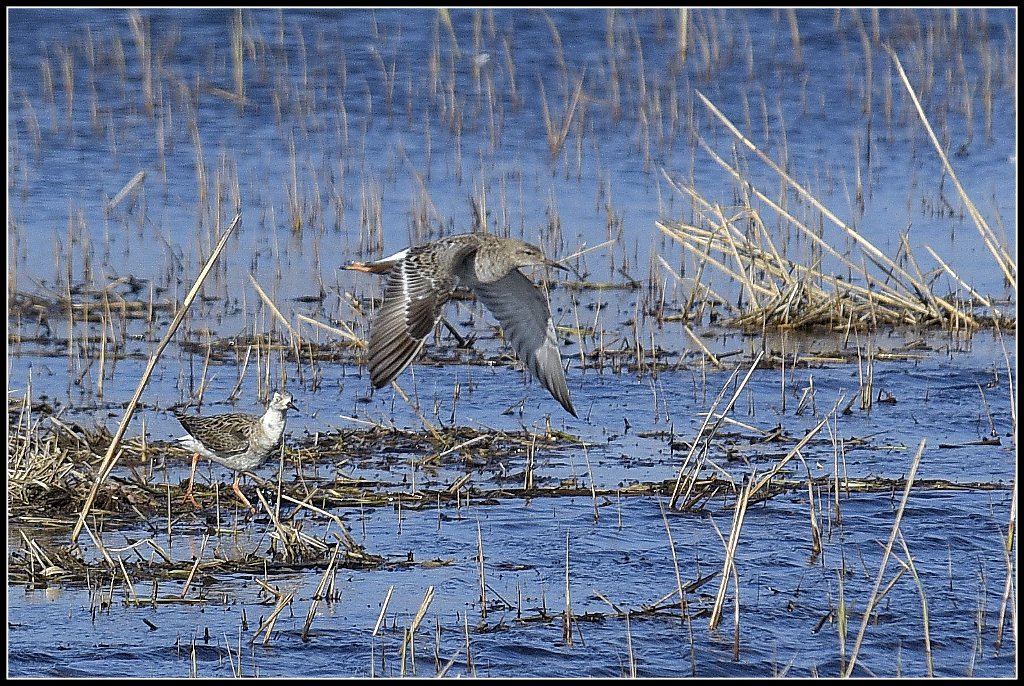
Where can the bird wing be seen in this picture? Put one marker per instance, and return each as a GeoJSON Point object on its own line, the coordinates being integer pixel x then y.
{"type": "Point", "coordinates": [522, 310]}
{"type": "Point", "coordinates": [413, 300]}
{"type": "Point", "coordinates": [224, 434]}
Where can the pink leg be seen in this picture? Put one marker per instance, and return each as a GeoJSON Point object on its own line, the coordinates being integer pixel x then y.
{"type": "Point", "coordinates": [241, 496]}
{"type": "Point", "coordinates": [191, 482]}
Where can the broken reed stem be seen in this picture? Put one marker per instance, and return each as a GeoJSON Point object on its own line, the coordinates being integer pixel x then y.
{"type": "Point", "coordinates": [675, 563]}
{"type": "Point", "coordinates": [815, 529]}
{"type": "Point", "coordinates": [128, 187]}
{"type": "Point", "coordinates": [111, 456]}
{"type": "Point", "coordinates": [593, 487]}
{"type": "Point", "coordinates": [703, 348]}
{"type": "Point", "coordinates": [349, 541]}
{"type": "Point", "coordinates": [885, 559]}
{"type": "Point", "coordinates": [1008, 592]}
{"type": "Point", "coordinates": [629, 650]}
{"type": "Point", "coordinates": [383, 610]}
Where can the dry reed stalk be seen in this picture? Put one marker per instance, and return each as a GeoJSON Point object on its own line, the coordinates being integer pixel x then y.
{"type": "Point", "coordinates": [866, 386]}
{"type": "Point", "coordinates": [103, 350]}
{"type": "Point", "coordinates": [143, 45]}
{"type": "Point", "coordinates": [879, 258]}
{"type": "Point", "coordinates": [447, 666]}
{"type": "Point", "coordinates": [697, 441]}
{"type": "Point", "coordinates": [815, 529]}
{"type": "Point", "coordinates": [465, 444]}
{"type": "Point", "coordinates": [446, 19]}
{"type": "Point", "coordinates": [235, 671]}
{"type": "Point", "coordinates": [415, 408]}
{"type": "Point", "coordinates": [100, 547]}
{"type": "Point", "coordinates": [629, 651]}
{"type": "Point", "coordinates": [682, 36]}
{"type": "Point", "coordinates": [795, 450]}
{"type": "Point", "coordinates": [319, 593]}
{"type": "Point", "coordinates": [556, 39]}
{"type": "Point", "coordinates": [683, 614]}
{"type": "Point", "coordinates": [909, 566]}
{"type": "Point", "coordinates": [296, 340]}
{"type": "Point", "coordinates": [567, 614]}
{"type": "Point", "coordinates": [698, 287]}
{"type": "Point", "coordinates": [736, 611]}
{"type": "Point", "coordinates": [963, 284]}
{"type": "Point", "coordinates": [480, 569]}
{"type": "Point", "coordinates": [233, 395]}
{"type": "Point", "coordinates": [470, 665]}
{"type": "Point", "coordinates": [794, 36]}
{"type": "Point", "coordinates": [238, 58]}
{"type": "Point", "coordinates": [201, 392]}
{"type": "Point", "coordinates": [408, 636]}
{"type": "Point", "coordinates": [875, 597]}
{"type": "Point", "coordinates": [347, 539]}
{"type": "Point", "coordinates": [267, 625]}
{"type": "Point", "coordinates": [195, 567]}
{"type": "Point", "coordinates": [590, 478]}
{"type": "Point", "coordinates": [703, 348]}
{"type": "Point", "coordinates": [424, 192]}
{"type": "Point", "coordinates": [837, 517]}
{"type": "Point", "coordinates": [556, 137]}
{"type": "Point", "coordinates": [729, 564]}
{"type": "Point", "coordinates": [1003, 259]}
{"type": "Point", "coordinates": [1008, 593]}
{"type": "Point", "coordinates": [111, 456]}
{"type": "Point", "coordinates": [615, 608]}
{"type": "Point", "coordinates": [146, 541]}
{"type": "Point", "coordinates": [133, 598]}
{"type": "Point", "coordinates": [290, 537]}
{"type": "Point", "coordinates": [531, 454]}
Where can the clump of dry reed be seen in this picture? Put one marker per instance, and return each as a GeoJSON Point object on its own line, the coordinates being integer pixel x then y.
{"type": "Point", "coordinates": [51, 464]}
{"type": "Point", "coordinates": [856, 286]}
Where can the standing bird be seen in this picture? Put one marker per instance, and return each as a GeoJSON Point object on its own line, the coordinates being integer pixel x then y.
{"type": "Point", "coordinates": [236, 440]}
{"type": "Point", "coordinates": [422, 279]}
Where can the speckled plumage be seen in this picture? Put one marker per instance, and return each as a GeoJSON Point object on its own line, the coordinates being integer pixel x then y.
{"type": "Point", "coordinates": [422, 279]}
{"type": "Point", "coordinates": [236, 440]}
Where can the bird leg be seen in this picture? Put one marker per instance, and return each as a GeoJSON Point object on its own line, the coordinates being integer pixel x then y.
{"type": "Point", "coordinates": [464, 342]}
{"type": "Point", "coordinates": [238, 492]}
{"type": "Point", "coordinates": [191, 481]}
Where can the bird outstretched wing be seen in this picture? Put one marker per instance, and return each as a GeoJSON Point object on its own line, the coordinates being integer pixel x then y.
{"type": "Point", "coordinates": [523, 312]}
{"type": "Point", "coordinates": [413, 300]}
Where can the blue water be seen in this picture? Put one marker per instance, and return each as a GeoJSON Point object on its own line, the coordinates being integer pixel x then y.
{"type": "Point", "coordinates": [348, 113]}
